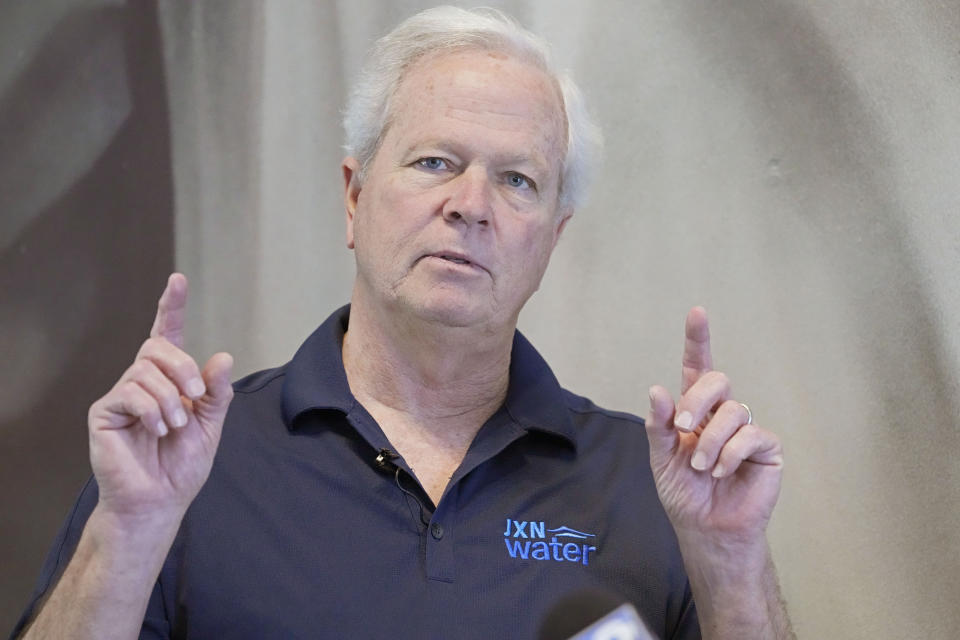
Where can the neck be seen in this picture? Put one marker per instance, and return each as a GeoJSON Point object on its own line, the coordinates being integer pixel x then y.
{"type": "Point", "coordinates": [433, 374]}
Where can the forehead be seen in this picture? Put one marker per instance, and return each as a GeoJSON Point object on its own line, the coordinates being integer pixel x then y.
{"type": "Point", "coordinates": [472, 90]}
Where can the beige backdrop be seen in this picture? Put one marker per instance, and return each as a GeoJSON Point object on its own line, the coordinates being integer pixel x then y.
{"type": "Point", "coordinates": [794, 166]}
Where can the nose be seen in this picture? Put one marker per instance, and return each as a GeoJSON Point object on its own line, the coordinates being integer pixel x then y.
{"type": "Point", "coordinates": [469, 198]}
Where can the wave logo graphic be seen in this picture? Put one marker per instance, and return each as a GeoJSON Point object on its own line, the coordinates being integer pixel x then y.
{"type": "Point", "coordinates": [565, 531]}
{"type": "Point", "coordinates": [531, 540]}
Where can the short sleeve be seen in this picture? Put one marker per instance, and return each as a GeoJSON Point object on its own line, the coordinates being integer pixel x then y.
{"type": "Point", "coordinates": [155, 625]}
{"type": "Point", "coordinates": [688, 626]}
{"type": "Point", "coordinates": [60, 553]}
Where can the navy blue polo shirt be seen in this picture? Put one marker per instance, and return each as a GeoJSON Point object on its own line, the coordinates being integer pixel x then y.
{"type": "Point", "coordinates": [306, 528]}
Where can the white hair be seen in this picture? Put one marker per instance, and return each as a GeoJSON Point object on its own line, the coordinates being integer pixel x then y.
{"type": "Point", "coordinates": [367, 115]}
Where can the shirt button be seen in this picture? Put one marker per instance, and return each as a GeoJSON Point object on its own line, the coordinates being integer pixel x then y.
{"type": "Point", "coordinates": [436, 530]}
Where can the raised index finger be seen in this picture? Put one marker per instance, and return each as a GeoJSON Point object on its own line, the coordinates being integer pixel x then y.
{"type": "Point", "coordinates": [172, 311]}
{"type": "Point", "coordinates": [696, 349]}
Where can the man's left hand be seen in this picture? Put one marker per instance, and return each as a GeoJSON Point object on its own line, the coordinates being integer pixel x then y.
{"type": "Point", "coordinates": [718, 474]}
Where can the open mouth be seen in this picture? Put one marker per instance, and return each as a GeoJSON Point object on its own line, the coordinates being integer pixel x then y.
{"type": "Point", "coordinates": [455, 257]}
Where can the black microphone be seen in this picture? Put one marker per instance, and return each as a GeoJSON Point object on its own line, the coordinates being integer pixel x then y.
{"type": "Point", "coordinates": [384, 460]}
{"type": "Point", "coordinates": [593, 614]}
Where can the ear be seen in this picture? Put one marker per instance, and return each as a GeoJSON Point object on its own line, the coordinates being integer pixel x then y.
{"type": "Point", "coordinates": [351, 192]}
{"type": "Point", "coordinates": [564, 217]}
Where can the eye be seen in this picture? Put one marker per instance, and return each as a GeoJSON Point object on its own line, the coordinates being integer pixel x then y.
{"type": "Point", "coordinates": [433, 163]}
{"type": "Point", "coordinates": [520, 181]}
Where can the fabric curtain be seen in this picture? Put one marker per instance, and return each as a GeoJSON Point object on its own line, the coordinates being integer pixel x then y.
{"type": "Point", "coordinates": [793, 166]}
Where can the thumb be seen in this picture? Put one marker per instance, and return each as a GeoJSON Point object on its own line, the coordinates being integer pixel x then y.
{"type": "Point", "coordinates": [212, 407]}
{"type": "Point", "coordinates": [661, 434]}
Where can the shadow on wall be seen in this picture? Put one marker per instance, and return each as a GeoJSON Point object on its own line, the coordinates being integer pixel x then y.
{"type": "Point", "coordinates": [86, 241]}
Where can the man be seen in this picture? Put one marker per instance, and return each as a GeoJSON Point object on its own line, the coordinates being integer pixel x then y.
{"type": "Point", "coordinates": [364, 488]}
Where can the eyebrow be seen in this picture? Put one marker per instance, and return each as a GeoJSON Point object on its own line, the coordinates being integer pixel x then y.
{"type": "Point", "coordinates": [536, 162]}
{"type": "Point", "coordinates": [440, 145]}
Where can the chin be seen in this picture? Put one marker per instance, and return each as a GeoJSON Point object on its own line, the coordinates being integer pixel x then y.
{"type": "Point", "coordinates": [450, 311]}
{"type": "Point", "coordinates": [453, 316]}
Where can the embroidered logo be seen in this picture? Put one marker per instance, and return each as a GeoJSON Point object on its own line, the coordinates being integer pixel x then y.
{"type": "Point", "coordinates": [530, 540]}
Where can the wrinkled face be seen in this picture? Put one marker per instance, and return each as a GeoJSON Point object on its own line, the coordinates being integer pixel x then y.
{"type": "Point", "coordinates": [458, 213]}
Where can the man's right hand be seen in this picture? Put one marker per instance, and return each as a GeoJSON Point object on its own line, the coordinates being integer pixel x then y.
{"type": "Point", "coordinates": [154, 435]}
{"type": "Point", "coordinates": [152, 442]}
